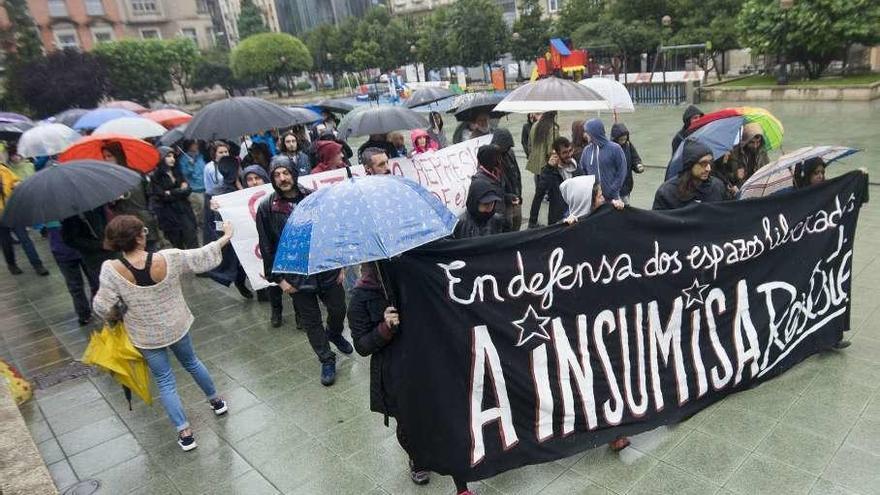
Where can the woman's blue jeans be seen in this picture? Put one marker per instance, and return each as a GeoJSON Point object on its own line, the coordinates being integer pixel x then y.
{"type": "Point", "coordinates": [160, 366]}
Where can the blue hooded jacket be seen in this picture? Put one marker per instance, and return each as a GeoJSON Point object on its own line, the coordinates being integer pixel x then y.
{"type": "Point", "coordinates": [604, 159]}
{"type": "Point", "coordinates": [193, 171]}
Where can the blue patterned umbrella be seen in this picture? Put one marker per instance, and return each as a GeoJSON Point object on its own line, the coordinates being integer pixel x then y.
{"type": "Point", "coordinates": [359, 220]}
{"type": "Point", "coordinates": [94, 118]}
{"type": "Point", "coordinates": [720, 136]}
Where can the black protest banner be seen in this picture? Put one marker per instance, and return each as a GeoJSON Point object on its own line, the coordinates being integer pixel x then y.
{"type": "Point", "coordinates": [527, 347]}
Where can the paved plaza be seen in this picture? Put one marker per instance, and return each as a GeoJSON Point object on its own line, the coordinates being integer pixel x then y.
{"type": "Point", "coordinates": [815, 429]}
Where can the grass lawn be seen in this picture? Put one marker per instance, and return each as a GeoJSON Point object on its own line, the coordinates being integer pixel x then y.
{"type": "Point", "coordinates": [769, 80]}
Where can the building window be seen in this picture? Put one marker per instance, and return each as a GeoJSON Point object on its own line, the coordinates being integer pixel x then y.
{"type": "Point", "coordinates": [57, 8]}
{"type": "Point", "coordinates": [144, 7]}
{"type": "Point", "coordinates": [191, 34]}
{"type": "Point", "coordinates": [150, 34]}
{"type": "Point", "coordinates": [94, 7]}
{"type": "Point", "coordinates": [202, 7]}
{"type": "Point", "coordinates": [66, 39]}
{"type": "Point", "coordinates": [553, 5]}
{"type": "Point", "coordinates": [102, 35]}
{"type": "Point", "coordinates": [209, 35]}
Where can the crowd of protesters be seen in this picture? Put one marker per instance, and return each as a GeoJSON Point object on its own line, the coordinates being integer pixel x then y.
{"type": "Point", "coordinates": [115, 248]}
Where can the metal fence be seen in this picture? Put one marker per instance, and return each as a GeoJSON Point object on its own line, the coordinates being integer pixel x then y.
{"type": "Point", "coordinates": [658, 93]}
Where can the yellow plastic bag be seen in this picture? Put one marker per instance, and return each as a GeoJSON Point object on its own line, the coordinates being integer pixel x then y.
{"type": "Point", "coordinates": [112, 350]}
{"type": "Point", "coordinates": [20, 388]}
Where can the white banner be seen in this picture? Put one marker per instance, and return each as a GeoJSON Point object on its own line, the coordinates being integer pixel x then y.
{"type": "Point", "coordinates": [240, 208]}
{"type": "Point", "coordinates": [446, 173]}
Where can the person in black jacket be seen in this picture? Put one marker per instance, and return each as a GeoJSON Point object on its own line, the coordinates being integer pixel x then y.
{"type": "Point", "coordinates": [695, 183]}
{"type": "Point", "coordinates": [620, 135]}
{"type": "Point", "coordinates": [560, 167]}
{"type": "Point", "coordinates": [691, 113]}
{"type": "Point", "coordinates": [481, 218]}
{"type": "Point", "coordinates": [374, 324]}
{"type": "Point", "coordinates": [511, 179]}
{"type": "Point", "coordinates": [272, 215]}
{"type": "Point", "coordinates": [85, 233]}
{"type": "Point", "coordinates": [170, 193]}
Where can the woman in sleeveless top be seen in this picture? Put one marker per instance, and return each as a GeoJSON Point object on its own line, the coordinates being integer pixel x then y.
{"type": "Point", "coordinates": [143, 290]}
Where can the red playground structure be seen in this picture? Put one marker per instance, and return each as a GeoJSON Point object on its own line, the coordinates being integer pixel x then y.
{"type": "Point", "coordinates": [562, 61]}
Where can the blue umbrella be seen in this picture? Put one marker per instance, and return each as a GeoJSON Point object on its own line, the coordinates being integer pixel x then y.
{"type": "Point", "coordinates": [98, 116]}
{"type": "Point", "coordinates": [720, 136]}
{"type": "Point", "coordinates": [359, 220]}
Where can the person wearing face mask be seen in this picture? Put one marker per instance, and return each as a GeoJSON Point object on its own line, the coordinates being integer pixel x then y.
{"type": "Point", "coordinates": [695, 183]}
{"type": "Point", "coordinates": [289, 146]}
{"type": "Point", "coordinates": [435, 132]}
{"type": "Point", "coordinates": [134, 202]}
{"type": "Point", "coordinates": [306, 291]}
{"type": "Point", "coordinates": [191, 164]}
{"type": "Point", "coordinates": [170, 192]}
{"type": "Point", "coordinates": [481, 218]}
{"type": "Point", "coordinates": [746, 157]}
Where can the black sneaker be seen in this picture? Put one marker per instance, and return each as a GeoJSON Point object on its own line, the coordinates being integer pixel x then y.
{"type": "Point", "coordinates": [418, 476]}
{"type": "Point", "coordinates": [277, 320]}
{"type": "Point", "coordinates": [343, 345]}
{"type": "Point", "coordinates": [219, 406]}
{"type": "Point", "coordinates": [841, 345]}
{"type": "Point", "coordinates": [41, 271]}
{"type": "Point", "coordinates": [328, 374]}
{"type": "Point", "coordinates": [15, 270]}
{"type": "Point", "coordinates": [84, 320]}
{"type": "Point", "coordinates": [187, 443]}
{"type": "Point", "coordinates": [244, 291]}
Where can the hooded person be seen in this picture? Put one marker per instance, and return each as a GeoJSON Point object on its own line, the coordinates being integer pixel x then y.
{"type": "Point", "coordinates": [228, 168]}
{"type": "Point", "coordinates": [421, 142]}
{"type": "Point", "coordinates": [272, 215]}
{"type": "Point", "coordinates": [690, 114]}
{"type": "Point", "coordinates": [490, 170]}
{"type": "Point", "coordinates": [436, 130]}
{"type": "Point", "coordinates": [620, 135]}
{"type": "Point", "coordinates": [169, 192]}
{"type": "Point", "coordinates": [809, 173]}
{"type": "Point", "coordinates": [230, 270]}
{"type": "Point", "coordinates": [746, 157]}
{"type": "Point", "coordinates": [329, 155]}
{"type": "Point", "coordinates": [502, 140]}
{"type": "Point", "coordinates": [695, 183]}
{"type": "Point", "coordinates": [605, 160]}
{"type": "Point", "coordinates": [255, 175]}
{"type": "Point", "coordinates": [481, 217]}
{"type": "Point", "coordinates": [580, 195]}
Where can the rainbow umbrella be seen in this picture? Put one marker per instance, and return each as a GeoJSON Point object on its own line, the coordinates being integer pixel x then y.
{"type": "Point", "coordinates": [770, 125]}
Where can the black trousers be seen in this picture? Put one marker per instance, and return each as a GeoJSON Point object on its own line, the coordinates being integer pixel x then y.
{"type": "Point", "coordinates": [548, 185]}
{"type": "Point", "coordinates": [309, 312]}
{"type": "Point", "coordinates": [73, 272]}
{"type": "Point", "coordinates": [182, 239]}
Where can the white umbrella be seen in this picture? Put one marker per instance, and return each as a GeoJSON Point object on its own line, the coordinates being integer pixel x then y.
{"type": "Point", "coordinates": [138, 127]}
{"type": "Point", "coordinates": [552, 94]}
{"type": "Point", "coordinates": [612, 91]}
{"type": "Point", "coordinates": [46, 140]}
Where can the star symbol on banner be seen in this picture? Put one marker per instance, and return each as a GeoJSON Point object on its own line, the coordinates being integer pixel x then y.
{"type": "Point", "coordinates": [530, 326]}
{"type": "Point", "coordinates": [694, 294]}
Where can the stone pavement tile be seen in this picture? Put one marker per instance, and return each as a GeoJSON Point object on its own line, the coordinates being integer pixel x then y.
{"type": "Point", "coordinates": [355, 434]}
{"type": "Point", "coordinates": [236, 425]}
{"type": "Point", "coordinates": [34, 344]}
{"type": "Point", "coordinates": [12, 340]}
{"type": "Point", "coordinates": [250, 483]}
{"type": "Point", "coordinates": [88, 436]}
{"type": "Point", "coordinates": [318, 415]}
{"type": "Point", "coordinates": [276, 383]}
{"type": "Point", "coordinates": [82, 415]}
{"type": "Point", "coordinates": [50, 451]}
{"type": "Point", "coordinates": [708, 456]}
{"type": "Point", "coordinates": [40, 431]}
{"type": "Point", "coordinates": [199, 476]}
{"type": "Point", "coordinates": [104, 456]}
{"type": "Point", "coordinates": [32, 364]}
{"type": "Point", "coordinates": [30, 412]}
{"type": "Point", "coordinates": [738, 426]}
{"type": "Point", "coordinates": [660, 441]}
{"type": "Point", "coordinates": [864, 347]}
{"type": "Point", "coordinates": [666, 479]}
{"type": "Point", "coordinates": [343, 481]}
{"type": "Point", "coordinates": [381, 461]}
{"type": "Point", "coordinates": [769, 402]}
{"type": "Point", "coordinates": [873, 408]}
{"type": "Point", "coordinates": [830, 420]}
{"type": "Point", "coordinates": [526, 479]}
{"type": "Point", "coordinates": [617, 471]}
{"type": "Point", "coordinates": [855, 469]}
{"type": "Point", "coordinates": [865, 435]}
{"type": "Point", "coordinates": [762, 475]}
{"type": "Point", "coordinates": [61, 403]}
{"type": "Point", "coordinates": [279, 440]}
{"type": "Point", "coordinates": [798, 447]}
{"type": "Point", "coordinates": [296, 353]}
{"type": "Point", "coordinates": [839, 368]}
{"type": "Point", "coordinates": [569, 483]}
{"type": "Point", "coordinates": [157, 486]}
{"type": "Point", "coordinates": [295, 468]}
{"type": "Point", "coordinates": [168, 456]}
{"type": "Point", "coordinates": [825, 487]}
{"type": "Point", "coordinates": [134, 473]}
{"type": "Point", "coordinates": [264, 366]}
{"type": "Point", "coordinates": [62, 474]}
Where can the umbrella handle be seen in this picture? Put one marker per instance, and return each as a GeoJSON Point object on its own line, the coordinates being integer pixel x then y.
{"type": "Point", "coordinates": [348, 171]}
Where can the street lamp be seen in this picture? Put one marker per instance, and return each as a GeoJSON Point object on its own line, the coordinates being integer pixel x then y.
{"type": "Point", "coordinates": [412, 50]}
{"type": "Point", "coordinates": [782, 77]}
{"type": "Point", "coordinates": [515, 36]}
{"type": "Point", "coordinates": [666, 20]}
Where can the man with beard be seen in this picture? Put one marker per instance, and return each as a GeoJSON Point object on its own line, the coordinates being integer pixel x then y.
{"type": "Point", "coordinates": [306, 291]}
{"type": "Point", "coordinates": [375, 161]}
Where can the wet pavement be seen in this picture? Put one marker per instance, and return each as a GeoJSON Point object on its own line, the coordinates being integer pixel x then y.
{"type": "Point", "coordinates": [815, 429]}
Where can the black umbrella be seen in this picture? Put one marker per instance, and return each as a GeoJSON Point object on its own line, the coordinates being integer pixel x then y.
{"type": "Point", "coordinates": [304, 115]}
{"type": "Point", "coordinates": [380, 120]}
{"type": "Point", "coordinates": [172, 136]}
{"type": "Point", "coordinates": [470, 106]}
{"type": "Point", "coordinates": [333, 105]}
{"type": "Point", "coordinates": [428, 95]}
{"type": "Point", "coordinates": [240, 116]}
{"type": "Point", "coordinates": [11, 131]}
{"type": "Point", "coordinates": [63, 190]}
{"type": "Point", "coordinates": [69, 117]}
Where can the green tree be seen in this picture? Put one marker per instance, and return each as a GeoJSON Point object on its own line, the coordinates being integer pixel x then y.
{"type": "Point", "coordinates": [532, 33]}
{"type": "Point", "coordinates": [478, 33]}
{"type": "Point", "coordinates": [812, 32]}
{"type": "Point", "coordinates": [433, 40]}
{"type": "Point", "coordinates": [270, 57]}
{"type": "Point", "coordinates": [182, 57]}
{"type": "Point", "coordinates": [627, 39]}
{"type": "Point", "coordinates": [64, 79]}
{"type": "Point", "coordinates": [20, 44]}
{"type": "Point", "coordinates": [576, 13]}
{"type": "Point", "coordinates": [708, 21]}
{"type": "Point", "coordinates": [379, 41]}
{"type": "Point", "coordinates": [250, 20]}
{"type": "Point", "coordinates": [138, 70]}
{"type": "Point", "coordinates": [212, 69]}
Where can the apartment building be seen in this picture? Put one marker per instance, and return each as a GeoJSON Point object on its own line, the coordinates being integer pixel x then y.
{"type": "Point", "coordinates": [230, 10]}
{"type": "Point", "coordinates": [508, 7]}
{"type": "Point", "coordinates": [297, 17]}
